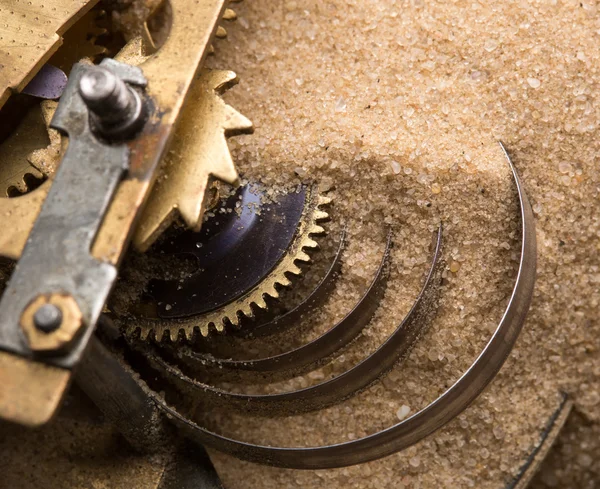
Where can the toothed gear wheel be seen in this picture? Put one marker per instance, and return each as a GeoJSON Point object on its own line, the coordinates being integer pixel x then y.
{"type": "Point", "coordinates": [32, 151]}
{"type": "Point", "coordinates": [244, 254]}
{"type": "Point", "coordinates": [17, 176]}
{"type": "Point", "coordinates": [83, 40]}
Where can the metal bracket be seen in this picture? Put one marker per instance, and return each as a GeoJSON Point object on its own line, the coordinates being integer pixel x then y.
{"type": "Point", "coordinates": [57, 261]}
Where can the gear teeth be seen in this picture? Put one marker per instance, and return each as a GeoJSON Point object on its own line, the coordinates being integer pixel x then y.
{"type": "Point", "coordinates": [274, 293]}
{"type": "Point", "coordinates": [83, 40]}
{"type": "Point", "coordinates": [230, 315]}
{"type": "Point", "coordinates": [198, 156]}
{"type": "Point", "coordinates": [245, 311]}
{"type": "Point", "coordinates": [141, 334]}
{"type": "Point", "coordinates": [262, 303]}
{"type": "Point", "coordinates": [235, 320]}
{"type": "Point", "coordinates": [324, 200]}
{"type": "Point", "coordinates": [221, 32]}
{"type": "Point", "coordinates": [303, 256]}
{"type": "Point", "coordinates": [316, 229]}
{"type": "Point", "coordinates": [284, 282]}
{"type": "Point", "coordinates": [311, 243]}
{"type": "Point", "coordinates": [172, 335]}
{"type": "Point", "coordinates": [229, 15]}
{"type": "Point", "coordinates": [321, 215]}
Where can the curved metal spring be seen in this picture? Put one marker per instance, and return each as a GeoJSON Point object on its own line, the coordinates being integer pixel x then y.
{"type": "Point", "coordinates": [393, 439]}
{"type": "Point", "coordinates": [331, 343]}
{"type": "Point", "coordinates": [314, 353]}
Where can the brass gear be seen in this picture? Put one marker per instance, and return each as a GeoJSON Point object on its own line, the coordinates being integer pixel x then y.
{"type": "Point", "coordinates": [17, 176]}
{"type": "Point", "coordinates": [217, 320]}
{"type": "Point", "coordinates": [81, 41]}
{"type": "Point", "coordinates": [46, 159]}
{"type": "Point", "coordinates": [199, 153]}
{"type": "Point", "coordinates": [33, 150]}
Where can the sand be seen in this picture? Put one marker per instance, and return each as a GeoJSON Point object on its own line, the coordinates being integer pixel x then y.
{"type": "Point", "coordinates": [399, 106]}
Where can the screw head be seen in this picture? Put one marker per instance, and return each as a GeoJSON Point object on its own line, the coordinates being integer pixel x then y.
{"type": "Point", "coordinates": [48, 318]}
{"type": "Point", "coordinates": [116, 108]}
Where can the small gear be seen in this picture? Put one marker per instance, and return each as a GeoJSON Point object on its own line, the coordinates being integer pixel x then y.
{"type": "Point", "coordinates": [33, 150]}
{"type": "Point", "coordinates": [82, 41]}
{"type": "Point", "coordinates": [17, 176]}
{"type": "Point", "coordinates": [245, 253]}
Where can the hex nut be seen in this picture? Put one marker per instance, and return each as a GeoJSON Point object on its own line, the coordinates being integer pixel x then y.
{"type": "Point", "coordinates": [61, 337]}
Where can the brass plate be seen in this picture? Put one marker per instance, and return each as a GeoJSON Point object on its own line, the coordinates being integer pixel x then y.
{"type": "Point", "coordinates": [30, 32]}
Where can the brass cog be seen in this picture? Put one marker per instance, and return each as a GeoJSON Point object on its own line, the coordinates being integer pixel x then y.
{"type": "Point", "coordinates": [80, 42]}
{"type": "Point", "coordinates": [33, 150]}
{"type": "Point", "coordinates": [198, 152]}
{"type": "Point", "coordinates": [231, 313]}
{"type": "Point", "coordinates": [199, 156]}
{"type": "Point", "coordinates": [17, 176]}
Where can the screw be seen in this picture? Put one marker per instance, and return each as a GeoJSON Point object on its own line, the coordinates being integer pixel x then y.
{"type": "Point", "coordinates": [48, 318]}
{"type": "Point", "coordinates": [116, 107]}
{"type": "Point", "coordinates": [51, 323]}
